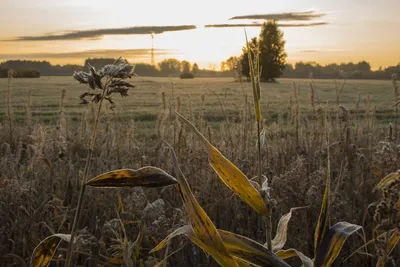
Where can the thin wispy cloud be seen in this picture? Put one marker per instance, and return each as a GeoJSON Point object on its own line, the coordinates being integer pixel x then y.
{"type": "Point", "coordinates": [290, 16]}
{"type": "Point", "coordinates": [128, 53]}
{"type": "Point", "coordinates": [99, 33]}
{"type": "Point", "coordinates": [286, 25]}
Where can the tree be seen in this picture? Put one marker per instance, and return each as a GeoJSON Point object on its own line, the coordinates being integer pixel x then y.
{"type": "Point", "coordinates": [271, 47]}
{"type": "Point", "coordinates": [272, 51]}
{"type": "Point", "coordinates": [195, 68]}
{"type": "Point", "coordinates": [170, 66]}
{"type": "Point", "coordinates": [232, 63]}
{"type": "Point", "coordinates": [185, 66]}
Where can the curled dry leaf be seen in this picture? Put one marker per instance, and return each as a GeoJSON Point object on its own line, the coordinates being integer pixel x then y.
{"type": "Point", "coordinates": [147, 177]}
{"type": "Point", "coordinates": [281, 233]}
{"type": "Point", "coordinates": [46, 249]}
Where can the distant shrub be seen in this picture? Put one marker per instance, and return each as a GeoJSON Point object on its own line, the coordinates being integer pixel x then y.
{"type": "Point", "coordinates": [26, 74]}
{"type": "Point", "coordinates": [3, 73]}
{"type": "Point", "coordinates": [20, 73]}
{"type": "Point", "coordinates": [186, 75]}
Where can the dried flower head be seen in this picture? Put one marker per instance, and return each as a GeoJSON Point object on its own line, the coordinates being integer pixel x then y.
{"type": "Point", "coordinates": [109, 79]}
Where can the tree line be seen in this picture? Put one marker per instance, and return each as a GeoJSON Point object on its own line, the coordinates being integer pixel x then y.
{"type": "Point", "coordinates": [360, 70]}
{"type": "Point", "coordinates": [167, 67]}
{"type": "Point", "coordinates": [269, 48]}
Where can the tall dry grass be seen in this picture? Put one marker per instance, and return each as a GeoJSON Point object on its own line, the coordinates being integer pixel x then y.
{"type": "Point", "coordinates": [40, 179]}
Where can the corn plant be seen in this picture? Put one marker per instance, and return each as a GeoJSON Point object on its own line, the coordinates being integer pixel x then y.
{"type": "Point", "coordinates": [103, 84]}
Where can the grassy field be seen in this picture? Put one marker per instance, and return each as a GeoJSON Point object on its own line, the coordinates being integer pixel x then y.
{"type": "Point", "coordinates": [43, 158]}
{"type": "Point", "coordinates": [145, 101]}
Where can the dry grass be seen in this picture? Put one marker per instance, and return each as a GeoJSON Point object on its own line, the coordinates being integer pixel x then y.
{"type": "Point", "coordinates": [40, 168]}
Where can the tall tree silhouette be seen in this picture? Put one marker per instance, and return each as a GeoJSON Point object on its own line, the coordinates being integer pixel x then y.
{"type": "Point", "coordinates": [272, 51]}
{"type": "Point", "coordinates": [271, 47]}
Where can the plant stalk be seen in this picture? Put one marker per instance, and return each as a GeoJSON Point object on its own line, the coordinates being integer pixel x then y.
{"type": "Point", "coordinates": [268, 227]}
{"type": "Point", "coordinates": [83, 184]}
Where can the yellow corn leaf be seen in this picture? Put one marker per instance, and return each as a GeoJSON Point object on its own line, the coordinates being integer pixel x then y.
{"type": "Point", "coordinates": [323, 220]}
{"type": "Point", "coordinates": [286, 254]}
{"type": "Point", "coordinates": [46, 249]}
{"type": "Point", "coordinates": [387, 180]}
{"type": "Point", "coordinates": [201, 224]}
{"type": "Point", "coordinates": [147, 177]}
{"type": "Point", "coordinates": [240, 247]}
{"type": "Point", "coordinates": [254, 82]}
{"type": "Point", "coordinates": [281, 233]}
{"type": "Point", "coordinates": [394, 239]}
{"type": "Point", "coordinates": [332, 243]}
{"type": "Point", "coordinates": [231, 175]}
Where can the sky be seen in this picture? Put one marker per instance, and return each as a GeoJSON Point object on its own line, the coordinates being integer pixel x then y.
{"type": "Point", "coordinates": [332, 31]}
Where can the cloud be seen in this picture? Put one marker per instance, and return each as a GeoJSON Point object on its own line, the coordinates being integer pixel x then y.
{"type": "Point", "coordinates": [286, 25]}
{"type": "Point", "coordinates": [98, 33]}
{"type": "Point", "coordinates": [128, 53]}
{"type": "Point", "coordinates": [309, 51]}
{"type": "Point", "coordinates": [291, 16]}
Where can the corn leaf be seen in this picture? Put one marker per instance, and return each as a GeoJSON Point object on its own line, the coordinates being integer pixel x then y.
{"type": "Point", "coordinates": [46, 249]}
{"type": "Point", "coordinates": [281, 233]}
{"type": "Point", "coordinates": [238, 246]}
{"type": "Point", "coordinates": [387, 180]}
{"type": "Point", "coordinates": [394, 239]}
{"type": "Point", "coordinates": [323, 220]}
{"type": "Point", "coordinates": [254, 81]}
{"type": "Point", "coordinates": [201, 224]}
{"type": "Point", "coordinates": [147, 177]}
{"type": "Point", "coordinates": [289, 253]}
{"type": "Point", "coordinates": [332, 243]}
{"type": "Point", "coordinates": [231, 175]}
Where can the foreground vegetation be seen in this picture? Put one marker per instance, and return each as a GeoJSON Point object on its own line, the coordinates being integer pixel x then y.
{"type": "Point", "coordinates": [41, 163]}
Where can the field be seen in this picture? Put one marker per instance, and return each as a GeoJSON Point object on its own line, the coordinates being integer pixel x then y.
{"type": "Point", "coordinates": [43, 149]}
{"type": "Point", "coordinates": [144, 102]}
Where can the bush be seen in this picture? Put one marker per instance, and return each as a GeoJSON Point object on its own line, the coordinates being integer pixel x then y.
{"type": "Point", "coordinates": [20, 73]}
{"type": "Point", "coordinates": [26, 74]}
{"type": "Point", "coordinates": [186, 75]}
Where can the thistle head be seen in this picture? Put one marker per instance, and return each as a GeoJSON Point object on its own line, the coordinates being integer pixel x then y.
{"type": "Point", "coordinates": [109, 80]}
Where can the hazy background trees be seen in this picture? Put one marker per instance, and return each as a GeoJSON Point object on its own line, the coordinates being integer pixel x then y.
{"type": "Point", "coordinates": [233, 67]}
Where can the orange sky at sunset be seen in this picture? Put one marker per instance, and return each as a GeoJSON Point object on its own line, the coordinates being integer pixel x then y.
{"type": "Point", "coordinates": [70, 31]}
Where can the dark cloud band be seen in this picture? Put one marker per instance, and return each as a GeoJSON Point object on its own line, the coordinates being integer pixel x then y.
{"type": "Point", "coordinates": [96, 34]}
{"type": "Point", "coordinates": [288, 25]}
{"type": "Point", "coordinates": [291, 16]}
{"type": "Point", "coordinates": [129, 53]}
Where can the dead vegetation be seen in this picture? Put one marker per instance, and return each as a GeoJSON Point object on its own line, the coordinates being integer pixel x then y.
{"type": "Point", "coordinates": [336, 156]}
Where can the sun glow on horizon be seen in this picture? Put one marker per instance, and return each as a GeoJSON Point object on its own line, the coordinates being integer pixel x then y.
{"type": "Point", "coordinates": [352, 33]}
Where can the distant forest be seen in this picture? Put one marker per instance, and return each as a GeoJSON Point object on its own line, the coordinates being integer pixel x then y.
{"type": "Point", "coordinates": [173, 67]}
